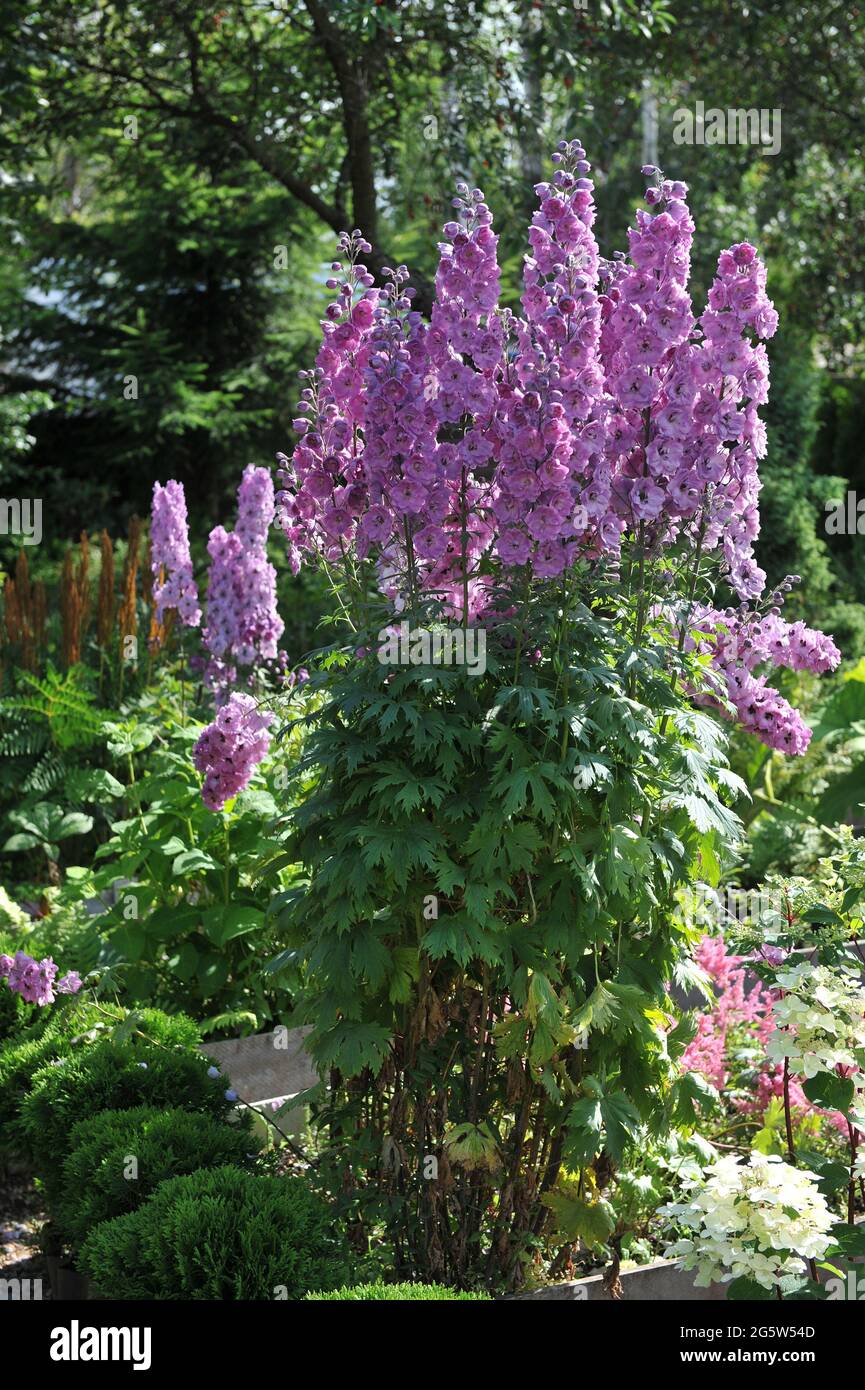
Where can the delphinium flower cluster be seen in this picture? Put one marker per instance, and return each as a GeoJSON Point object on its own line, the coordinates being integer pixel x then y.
{"type": "Point", "coordinates": [243, 625]}
{"type": "Point", "coordinates": [757, 1220]}
{"type": "Point", "coordinates": [229, 749]}
{"type": "Point", "coordinates": [484, 451]}
{"type": "Point", "coordinates": [741, 640]}
{"type": "Point", "coordinates": [36, 980]}
{"type": "Point", "coordinates": [173, 584]}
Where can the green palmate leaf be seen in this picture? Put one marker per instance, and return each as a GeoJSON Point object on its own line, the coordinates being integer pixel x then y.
{"type": "Point", "coordinates": [478, 899]}
{"type": "Point", "coordinates": [472, 1146]}
{"type": "Point", "coordinates": [370, 958]}
{"type": "Point", "coordinates": [833, 1176]}
{"type": "Point", "coordinates": [584, 1124]}
{"type": "Point", "coordinates": [185, 961]}
{"type": "Point", "coordinates": [831, 1091]}
{"type": "Point", "coordinates": [130, 941]}
{"type": "Point", "coordinates": [599, 1011]}
{"type": "Point", "coordinates": [621, 1123]}
{"type": "Point", "coordinates": [448, 875]}
{"type": "Point", "coordinates": [542, 1003]}
{"type": "Point", "coordinates": [510, 1035]}
{"type": "Point", "coordinates": [224, 924]}
{"type": "Point", "coordinates": [352, 1047]}
{"type": "Point", "coordinates": [191, 861]}
{"type": "Point", "coordinates": [462, 939]}
{"type": "Point", "coordinates": [848, 1240]}
{"type": "Point", "coordinates": [93, 784]}
{"type": "Point", "coordinates": [708, 815]}
{"type": "Point", "coordinates": [405, 972]}
{"type": "Point", "coordinates": [280, 962]}
{"type": "Point", "coordinates": [576, 1219]}
{"type": "Point", "coordinates": [693, 1094]}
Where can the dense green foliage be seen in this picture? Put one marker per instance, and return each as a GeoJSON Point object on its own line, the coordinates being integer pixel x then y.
{"type": "Point", "coordinates": [118, 1157]}
{"type": "Point", "coordinates": [219, 1234]}
{"type": "Point", "coordinates": [111, 1075]}
{"type": "Point", "coordinates": [489, 927]}
{"type": "Point", "coordinates": [178, 913]}
{"type": "Point", "coordinates": [61, 1032]}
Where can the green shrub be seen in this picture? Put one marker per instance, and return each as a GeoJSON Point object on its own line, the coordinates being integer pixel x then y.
{"type": "Point", "coordinates": [14, 1013]}
{"type": "Point", "coordinates": [15, 1016]}
{"type": "Point", "coordinates": [43, 1036]}
{"type": "Point", "coordinates": [223, 1234]}
{"type": "Point", "coordinates": [54, 1032]}
{"type": "Point", "coordinates": [164, 1144]}
{"type": "Point", "coordinates": [371, 1293]}
{"type": "Point", "coordinates": [110, 1075]}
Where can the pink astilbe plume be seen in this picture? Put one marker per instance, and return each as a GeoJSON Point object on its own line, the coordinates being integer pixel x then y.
{"type": "Point", "coordinates": [741, 1016]}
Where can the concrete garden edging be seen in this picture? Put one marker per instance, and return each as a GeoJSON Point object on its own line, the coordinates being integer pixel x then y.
{"type": "Point", "coordinates": [268, 1067]}
{"type": "Point", "coordinates": [659, 1282]}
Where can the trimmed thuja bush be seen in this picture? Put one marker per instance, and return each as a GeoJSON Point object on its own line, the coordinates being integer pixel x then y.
{"type": "Point", "coordinates": [541, 528]}
{"type": "Point", "coordinates": [119, 1157]}
{"type": "Point", "coordinates": [110, 1075]}
{"type": "Point", "coordinates": [404, 1293]}
{"type": "Point", "coordinates": [69, 1026]}
{"type": "Point", "coordinates": [219, 1234]}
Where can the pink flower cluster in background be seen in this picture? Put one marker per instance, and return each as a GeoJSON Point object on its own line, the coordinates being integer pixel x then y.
{"type": "Point", "coordinates": [36, 980]}
{"type": "Point", "coordinates": [605, 414]}
{"type": "Point", "coordinates": [229, 749]}
{"type": "Point", "coordinates": [171, 563]}
{"type": "Point", "coordinates": [243, 624]}
{"type": "Point", "coordinates": [740, 1013]}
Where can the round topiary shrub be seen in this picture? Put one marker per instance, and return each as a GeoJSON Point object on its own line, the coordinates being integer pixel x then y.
{"type": "Point", "coordinates": [111, 1075]}
{"type": "Point", "coordinates": [44, 1035]}
{"type": "Point", "coordinates": [119, 1157]}
{"type": "Point", "coordinates": [404, 1293]}
{"type": "Point", "coordinates": [223, 1234]}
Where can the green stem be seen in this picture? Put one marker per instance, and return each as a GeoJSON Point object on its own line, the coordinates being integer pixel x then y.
{"type": "Point", "coordinates": [227, 867]}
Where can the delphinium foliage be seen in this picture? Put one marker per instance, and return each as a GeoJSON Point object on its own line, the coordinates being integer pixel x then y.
{"type": "Point", "coordinates": [539, 529]}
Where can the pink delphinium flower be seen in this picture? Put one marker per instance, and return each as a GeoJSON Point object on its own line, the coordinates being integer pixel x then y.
{"type": "Point", "coordinates": [229, 750]}
{"type": "Point", "coordinates": [739, 641]}
{"type": "Point", "coordinates": [36, 981]}
{"type": "Point", "coordinates": [171, 563]}
{"type": "Point", "coordinates": [485, 449]}
{"type": "Point", "coordinates": [243, 625]}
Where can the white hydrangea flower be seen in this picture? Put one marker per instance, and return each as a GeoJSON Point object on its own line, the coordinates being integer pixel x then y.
{"type": "Point", "coordinates": [820, 1021]}
{"type": "Point", "coordinates": [758, 1220]}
